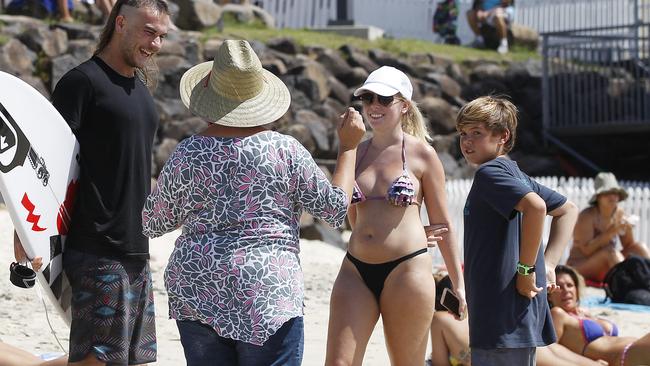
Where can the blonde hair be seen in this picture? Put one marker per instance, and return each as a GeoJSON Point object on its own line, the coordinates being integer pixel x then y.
{"type": "Point", "coordinates": [413, 122]}
{"type": "Point", "coordinates": [497, 113]}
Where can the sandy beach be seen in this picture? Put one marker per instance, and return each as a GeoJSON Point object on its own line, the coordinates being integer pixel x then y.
{"type": "Point", "coordinates": [24, 321]}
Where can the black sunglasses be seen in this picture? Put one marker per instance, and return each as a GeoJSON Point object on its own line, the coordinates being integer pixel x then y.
{"type": "Point", "coordinates": [367, 98]}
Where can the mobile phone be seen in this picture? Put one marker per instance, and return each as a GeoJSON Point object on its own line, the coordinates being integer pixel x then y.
{"type": "Point", "coordinates": [450, 301]}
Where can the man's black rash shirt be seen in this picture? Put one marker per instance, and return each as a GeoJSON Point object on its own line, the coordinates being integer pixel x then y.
{"type": "Point", "coordinates": [114, 119]}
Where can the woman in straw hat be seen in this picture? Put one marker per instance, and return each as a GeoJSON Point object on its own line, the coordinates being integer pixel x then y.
{"type": "Point", "coordinates": [387, 270]}
{"type": "Point", "coordinates": [594, 249]}
{"type": "Point", "coordinates": [237, 189]}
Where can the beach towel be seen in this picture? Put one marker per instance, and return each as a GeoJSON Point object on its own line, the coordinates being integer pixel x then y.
{"type": "Point", "coordinates": [598, 301]}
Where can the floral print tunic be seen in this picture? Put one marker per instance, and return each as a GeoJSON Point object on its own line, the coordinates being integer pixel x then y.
{"type": "Point", "coordinates": [235, 266]}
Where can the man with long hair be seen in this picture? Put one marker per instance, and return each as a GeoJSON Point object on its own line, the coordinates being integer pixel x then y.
{"type": "Point", "coordinates": [106, 102]}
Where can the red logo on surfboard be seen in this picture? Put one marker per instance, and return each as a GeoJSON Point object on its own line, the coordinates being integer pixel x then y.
{"type": "Point", "coordinates": [65, 211]}
{"type": "Point", "coordinates": [33, 219]}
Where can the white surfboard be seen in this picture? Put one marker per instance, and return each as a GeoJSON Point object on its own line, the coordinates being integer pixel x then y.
{"type": "Point", "coordinates": [38, 179]}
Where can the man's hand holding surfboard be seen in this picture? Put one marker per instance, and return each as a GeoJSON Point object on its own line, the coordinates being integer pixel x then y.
{"type": "Point", "coordinates": [21, 256]}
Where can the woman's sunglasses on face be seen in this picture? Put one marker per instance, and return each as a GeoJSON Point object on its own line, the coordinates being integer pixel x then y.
{"type": "Point", "coordinates": [367, 98]}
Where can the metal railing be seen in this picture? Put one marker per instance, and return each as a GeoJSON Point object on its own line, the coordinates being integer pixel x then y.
{"type": "Point", "coordinates": [562, 15]}
{"type": "Point", "coordinates": [596, 78]}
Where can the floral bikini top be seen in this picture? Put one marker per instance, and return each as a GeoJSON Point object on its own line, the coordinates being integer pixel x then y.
{"type": "Point", "coordinates": [400, 193]}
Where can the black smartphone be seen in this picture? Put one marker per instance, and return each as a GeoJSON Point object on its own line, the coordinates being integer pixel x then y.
{"type": "Point", "coordinates": [450, 301]}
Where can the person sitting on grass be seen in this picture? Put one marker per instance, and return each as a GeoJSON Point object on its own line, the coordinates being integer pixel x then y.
{"type": "Point", "coordinates": [496, 13]}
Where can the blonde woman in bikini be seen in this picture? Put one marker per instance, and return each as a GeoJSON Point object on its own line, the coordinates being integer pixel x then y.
{"type": "Point", "coordinates": [594, 249]}
{"type": "Point", "coordinates": [387, 270]}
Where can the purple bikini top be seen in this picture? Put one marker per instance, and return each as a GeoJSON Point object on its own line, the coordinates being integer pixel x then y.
{"type": "Point", "coordinates": [400, 193]}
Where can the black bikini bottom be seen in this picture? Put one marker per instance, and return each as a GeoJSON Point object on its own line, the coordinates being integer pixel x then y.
{"type": "Point", "coordinates": [374, 275]}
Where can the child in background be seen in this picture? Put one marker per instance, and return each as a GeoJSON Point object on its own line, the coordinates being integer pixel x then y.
{"type": "Point", "coordinates": [445, 21]}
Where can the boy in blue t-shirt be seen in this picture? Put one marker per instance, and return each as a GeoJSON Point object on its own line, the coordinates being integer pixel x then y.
{"type": "Point", "coordinates": [506, 270]}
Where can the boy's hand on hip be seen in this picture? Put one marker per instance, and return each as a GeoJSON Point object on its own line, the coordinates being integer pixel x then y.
{"type": "Point", "coordinates": [526, 285]}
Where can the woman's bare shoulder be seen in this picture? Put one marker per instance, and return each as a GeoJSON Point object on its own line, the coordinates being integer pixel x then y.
{"type": "Point", "coordinates": [588, 213]}
{"type": "Point", "coordinates": [558, 312]}
{"type": "Point", "coordinates": [419, 147]}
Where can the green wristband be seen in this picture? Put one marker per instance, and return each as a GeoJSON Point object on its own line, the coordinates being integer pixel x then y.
{"type": "Point", "coordinates": [524, 269]}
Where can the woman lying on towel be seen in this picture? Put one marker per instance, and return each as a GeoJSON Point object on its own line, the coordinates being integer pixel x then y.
{"type": "Point", "coordinates": [595, 338]}
{"type": "Point", "coordinates": [450, 341]}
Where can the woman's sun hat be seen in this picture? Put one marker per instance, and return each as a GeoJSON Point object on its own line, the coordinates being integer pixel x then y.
{"type": "Point", "coordinates": [606, 183]}
{"type": "Point", "coordinates": [387, 81]}
{"type": "Point", "coordinates": [234, 90]}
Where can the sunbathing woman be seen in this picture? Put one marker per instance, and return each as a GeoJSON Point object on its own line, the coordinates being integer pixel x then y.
{"type": "Point", "coordinates": [387, 270]}
{"type": "Point", "coordinates": [450, 341]}
{"type": "Point", "coordinates": [594, 249]}
{"type": "Point", "coordinates": [592, 337]}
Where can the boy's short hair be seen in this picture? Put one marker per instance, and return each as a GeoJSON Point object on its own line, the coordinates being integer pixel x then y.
{"type": "Point", "coordinates": [497, 113]}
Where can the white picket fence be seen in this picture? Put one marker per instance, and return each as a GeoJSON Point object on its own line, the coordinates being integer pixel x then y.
{"type": "Point", "coordinates": [578, 190]}
{"type": "Point", "coordinates": [301, 13]}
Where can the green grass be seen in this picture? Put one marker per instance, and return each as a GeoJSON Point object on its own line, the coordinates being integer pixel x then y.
{"type": "Point", "coordinates": [3, 40]}
{"type": "Point", "coordinates": [304, 37]}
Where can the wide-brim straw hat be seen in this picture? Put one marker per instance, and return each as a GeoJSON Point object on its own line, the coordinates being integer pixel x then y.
{"type": "Point", "coordinates": [607, 183]}
{"type": "Point", "coordinates": [234, 90]}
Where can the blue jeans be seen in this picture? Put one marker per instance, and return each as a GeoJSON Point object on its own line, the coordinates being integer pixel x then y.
{"type": "Point", "coordinates": [504, 356]}
{"type": "Point", "coordinates": [203, 347]}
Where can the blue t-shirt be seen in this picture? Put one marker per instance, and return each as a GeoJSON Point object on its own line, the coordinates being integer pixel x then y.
{"type": "Point", "coordinates": [498, 316]}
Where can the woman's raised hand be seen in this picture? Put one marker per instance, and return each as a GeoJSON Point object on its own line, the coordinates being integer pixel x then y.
{"type": "Point", "coordinates": [618, 227]}
{"type": "Point", "coordinates": [351, 129]}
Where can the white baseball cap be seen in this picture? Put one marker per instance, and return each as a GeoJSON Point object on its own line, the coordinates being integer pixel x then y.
{"type": "Point", "coordinates": [387, 81]}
